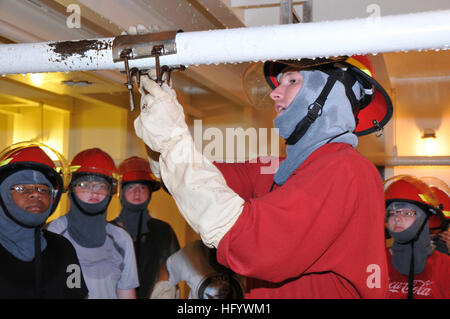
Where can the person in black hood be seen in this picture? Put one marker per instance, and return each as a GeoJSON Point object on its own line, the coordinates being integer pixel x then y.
{"type": "Point", "coordinates": [35, 263]}
{"type": "Point", "coordinates": [154, 240]}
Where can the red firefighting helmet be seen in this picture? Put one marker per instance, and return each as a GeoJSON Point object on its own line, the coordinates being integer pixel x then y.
{"type": "Point", "coordinates": [441, 191]}
{"type": "Point", "coordinates": [444, 201]}
{"type": "Point", "coordinates": [23, 156]}
{"type": "Point", "coordinates": [372, 112]}
{"type": "Point", "coordinates": [136, 169]}
{"type": "Point", "coordinates": [94, 161]}
{"type": "Point", "coordinates": [406, 188]}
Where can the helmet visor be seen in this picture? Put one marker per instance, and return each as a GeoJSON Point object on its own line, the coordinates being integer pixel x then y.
{"type": "Point", "coordinates": [256, 87]}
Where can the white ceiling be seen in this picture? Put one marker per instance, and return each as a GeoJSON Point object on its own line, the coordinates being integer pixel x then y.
{"type": "Point", "coordinates": [420, 78]}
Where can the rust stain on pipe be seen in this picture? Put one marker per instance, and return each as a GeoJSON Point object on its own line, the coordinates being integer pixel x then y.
{"type": "Point", "coordinates": [66, 49]}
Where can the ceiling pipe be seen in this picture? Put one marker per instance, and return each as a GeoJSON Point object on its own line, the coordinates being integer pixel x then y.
{"type": "Point", "coordinates": [16, 34]}
{"type": "Point", "coordinates": [418, 31]}
{"type": "Point", "coordinates": [410, 161]}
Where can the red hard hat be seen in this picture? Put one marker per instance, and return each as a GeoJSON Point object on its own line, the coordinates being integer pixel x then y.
{"type": "Point", "coordinates": [441, 191]}
{"type": "Point", "coordinates": [379, 110]}
{"type": "Point", "coordinates": [137, 169]}
{"type": "Point", "coordinates": [374, 108]}
{"type": "Point", "coordinates": [444, 200]}
{"type": "Point", "coordinates": [406, 188]}
{"type": "Point", "coordinates": [30, 154]}
{"type": "Point", "coordinates": [441, 221]}
{"type": "Point", "coordinates": [15, 159]}
{"type": "Point", "coordinates": [94, 161]}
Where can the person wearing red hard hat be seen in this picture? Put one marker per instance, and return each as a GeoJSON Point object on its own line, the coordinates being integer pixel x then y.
{"type": "Point", "coordinates": [415, 269]}
{"type": "Point", "coordinates": [439, 224]}
{"type": "Point", "coordinates": [154, 240]}
{"type": "Point", "coordinates": [106, 251]}
{"type": "Point", "coordinates": [295, 233]}
{"type": "Point", "coordinates": [370, 104]}
{"type": "Point", "coordinates": [34, 262]}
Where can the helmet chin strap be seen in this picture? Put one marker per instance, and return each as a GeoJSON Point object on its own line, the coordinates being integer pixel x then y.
{"type": "Point", "coordinates": [314, 110]}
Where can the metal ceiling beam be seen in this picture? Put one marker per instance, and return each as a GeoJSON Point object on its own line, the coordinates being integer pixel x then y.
{"type": "Point", "coordinates": [16, 105]}
{"type": "Point", "coordinates": [221, 15]}
{"type": "Point", "coordinates": [89, 18]}
{"type": "Point", "coordinates": [286, 12]}
{"type": "Point", "coordinates": [9, 111]}
{"type": "Point", "coordinates": [16, 34]}
{"type": "Point", "coordinates": [307, 11]}
{"type": "Point", "coordinates": [214, 79]}
{"type": "Point", "coordinates": [8, 87]}
{"type": "Point", "coordinates": [41, 21]}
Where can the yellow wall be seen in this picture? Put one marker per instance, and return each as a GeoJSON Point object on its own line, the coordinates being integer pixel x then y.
{"type": "Point", "coordinates": [6, 129]}
{"type": "Point", "coordinates": [407, 130]}
{"type": "Point", "coordinates": [98, 125]}
{"type": "Point", "coordinates": [39, 123]}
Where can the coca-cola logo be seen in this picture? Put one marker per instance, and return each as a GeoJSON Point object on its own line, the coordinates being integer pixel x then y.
{"type": "Point", "coordinates": [420, 287]}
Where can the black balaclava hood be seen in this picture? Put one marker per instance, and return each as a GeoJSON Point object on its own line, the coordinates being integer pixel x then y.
{"type": "Point", "coordinates": [132, 215]}
{"type": "Point", "coordinates": [86, 223]}
{"type": "Point", "coordinates": [418, 235]}
{"type": "Point", "coordinates": [18, 230]}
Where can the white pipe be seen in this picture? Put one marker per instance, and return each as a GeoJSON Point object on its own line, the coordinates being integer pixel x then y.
{"type": "Point", "coordinates": [411, 161]}
{"type": "Point", "coordinates": [418, 31]}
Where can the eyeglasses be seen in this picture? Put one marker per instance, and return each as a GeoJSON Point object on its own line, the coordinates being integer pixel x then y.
{"type": "Point", "coordinates": [29, 189]}
{"type": "Point", "coordinates": [404, 212]}
{"type": "Point", "coordinates": [100, 188]}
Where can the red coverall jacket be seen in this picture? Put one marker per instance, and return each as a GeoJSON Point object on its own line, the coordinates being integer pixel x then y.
{"type": "Point", "coordinates": [432, 283]}
{"type": "Point", "coordinates": [320, 235]}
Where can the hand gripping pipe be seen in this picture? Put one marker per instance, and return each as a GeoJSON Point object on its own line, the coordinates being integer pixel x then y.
{"type": "Point", "coordinates": [410, 32]}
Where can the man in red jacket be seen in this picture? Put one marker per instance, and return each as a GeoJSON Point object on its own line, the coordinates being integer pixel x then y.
{"type": "Point", "coordinates": [314, 229]}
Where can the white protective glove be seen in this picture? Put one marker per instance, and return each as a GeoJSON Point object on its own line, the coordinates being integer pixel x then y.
{"type": "Point", "coordinates": [209, 206]}
{"type": "Point", "coordinates": [154, 166]}
{"type": "Point", "coordinates": [164, 290]}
